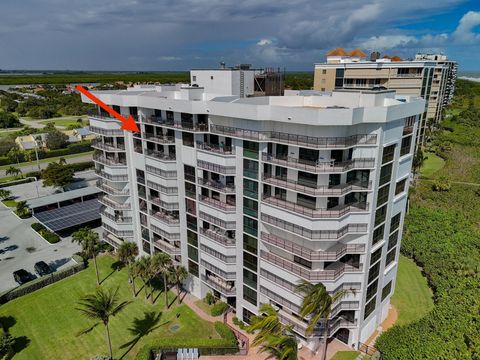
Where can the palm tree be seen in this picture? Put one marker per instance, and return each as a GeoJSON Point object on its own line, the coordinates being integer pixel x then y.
{"type": "Point", "coordinates": [90, 243]}
{"type": "Point", "coordinates": [317, 305]}
{"type": "Point", "coordinates": [12, 170]}
{"type": "Point", "coordinates": [62, 161]}
{"type": "Point", "coordinates": [162, 263]}
{"type": "Point", "coordinates": [177, 276]}
{"type": "Point", "coordinates": [141, 268]}
{"type": "Point", "coordinates": [5, 194]}
{"type": "Point", "coordinates": [282, 347]}
{"type": "Point", "coordinates": [101, 305]}
{"type": "Point", "coordinates": [127, 252]}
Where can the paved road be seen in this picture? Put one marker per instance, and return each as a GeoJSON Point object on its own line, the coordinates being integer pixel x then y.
{"type": "Point", "coordinates": [32, 123]}
{"type": "Point", "coordinates": [33, 166]}
{"type": "Point", "coordinates": [16, 237]}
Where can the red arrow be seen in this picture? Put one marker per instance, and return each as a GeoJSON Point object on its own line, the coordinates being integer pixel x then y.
{"type": "Point", "coordinates": [127, 124]}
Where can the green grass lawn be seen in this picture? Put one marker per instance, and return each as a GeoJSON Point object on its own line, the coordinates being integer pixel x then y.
{"type": "Point", "coordinates": [65, 120]}
{"type": "Point", "coordinates": [50, 325]}
{"type": "Point", "coordinates": [413, 297]}
{"type": "Point", "coordinates": [48, 160]}
{"type": "Point", "coordinates": [9, 203]}
{"type": "Point", "coordinates": [207, 309]}
{"type": "Point", "coordinates": [346, 355]}
{"type": "Point", "coordinates": [431, 165]}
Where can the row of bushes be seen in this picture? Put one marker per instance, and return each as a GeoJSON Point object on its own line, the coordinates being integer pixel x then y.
{"type": "Point", "coordinates": [76, 167]}
{"type": "Point", "coordinates": [51, 237]}
{"type": "Point", "coordinates": [40, 283]}
{"type": "Point", "coordinates": [226, 345]}
{"type": "Point", "coordinates": [77, 148]}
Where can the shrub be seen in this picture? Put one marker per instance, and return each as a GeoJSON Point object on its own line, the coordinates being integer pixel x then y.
{"type": "Point", "coordinates": [78, 259]}
{"type": "Point", "coordinates": [441, 184]}
{"type": "Point", "coordinates": [239, 323]}
{"type": "Point", "coordinates": [219, 308]}
{"type": "Point", "coordinates": [46, 234]}
{"type": "Point", "coordinates": [37, 227]}
{"type": "Point", "coordinates": [209, 299]}
{"type": "Point", "coordinates": [225, 332]}
{"type": "Point", "coordinates": [6, 342]}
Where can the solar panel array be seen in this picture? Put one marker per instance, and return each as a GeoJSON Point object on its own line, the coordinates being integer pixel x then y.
{"type": "Point", "coordinates": [71, 215]}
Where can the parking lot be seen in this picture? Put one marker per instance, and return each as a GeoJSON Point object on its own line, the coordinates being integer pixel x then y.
{"type": "Point", "coordinates": [21, 248]}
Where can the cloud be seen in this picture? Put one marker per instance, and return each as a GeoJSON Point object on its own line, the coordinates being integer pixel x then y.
{"type": "Point", "coordinates": [264, 42]}
{"type": "Point", "coordinates": [464, 32]}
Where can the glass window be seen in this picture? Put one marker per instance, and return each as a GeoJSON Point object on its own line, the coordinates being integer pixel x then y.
{"type": "Point", "coordinates": [378, 234]}
{"type": "Point", "coordinates": [395, 222]}
{"type": "Point", "coordinates": [390, 256]}
{"type": "Point", "coordinates": [250, 261]}
{"type": "Point", "coordinates": [250, 278]}
{"type": "Point", "coordinates": [250, 244]}
{"type": "Point", "coordinates": [193, 268]}
{"type": "Point", "coordinates": [192, 253]}
{"type": "Point", "coordinates": [192, 238]}
{"type": "Point", "coordinates": [250, 168]}
{"type": "Point", "coordinates": [250, 188]}
{"type": "Point", "coordinates": [188, 139]}
{"type": "Point", "coordinates": [406, 145]}
{"type": "Point", "coordinates": [400, 186]}
{"type": "Point", "coordinates": [383, 195]}
{"type": "Point", "coordinates": [373, 272]}
{"type": "Point", "coordinates": [385, 174]}
{"type": "Point", "coordinates": [376, 256]}
{"type": "Point", "coordinates": [250, 295]}
{"type": "Point", "coordinates": [388, 153]}
{"type": "Point", "coordinates": [250, 207]}
{"type": "Point", "coordinates": [392, 240]}
{"type": "Point", "coordinates": [380, 215]}
{"type": "Point", "coordinates": [370, 307]}
{"type": "Point", "coordinates": [302, 261]}
{"type": "Point", "coordinates": [250, 226]}
{"type": "Point", "coordinates": [372, 289]}
{"type": "Point", "coordinates": [386, 290]}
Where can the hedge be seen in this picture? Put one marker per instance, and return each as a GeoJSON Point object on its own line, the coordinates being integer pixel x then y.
{"type": "Point", "coordinates": [51, 237]}
{"type": "Point", "coordinates": [17, 182]}
{"type": "Point", "coordinates": [226, 345]}
{"type": "Point", "coordinates": [219, 308]}
{"type": "Point", "coordinates": [40, 283]}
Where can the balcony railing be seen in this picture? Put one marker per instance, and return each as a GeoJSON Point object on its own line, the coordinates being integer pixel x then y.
{"type": "Point", "coordinates": [300, 140]}
{"type": "Point", "coordinates": [165, 218]}
{"type": "Point", "coordinates": [216, 149]}
{"type": "Point", "coordinates": [219, 285]}
{"type": "Point", "coordinates": [160, 155]}
{"type": "Point", "coordinates": [98, 144]}
{"type": "Point", "coordinates": [314, 234]}
{"type": "Point", "coordinates": [228, 170]}
{"type": "Point", "coordinates": [218, 237]}
{"type": "Point", "coordinates": [120, 233]}
{"type": "Point", "coordinates": [309, 254]}
{"type": "Point", "coordinates": [161, 173]}
{"type": "Point", "coordinates": [163, 204]}
{"type": "Point", "coordinates": [167, 247]}
{"type": "Point", "coordinates": [111, 190]}
{"type": "Point", "coordinates": [217, 271]}
{"type": "Point", "coordinates": [117, 178]}
{"type": "Point", "coordinates": [217, 185]}
{"type": "Point", "coordinates": [224, 206]}
{"type": "Point", "coordinates": [228, 225]}
{"type": "Point", "coordinates": [336, 212]}
{"type": "Point", "coordinates": [170, 236]}
{"type": "Point", "coordinates": [109, 161]}
{"type": "Point", "coordinates": [161, 139]}
{"type": "Point", "coordinates": [329, 166]}
{"type": "Point", "coordinates": [307, 274]}
{"type": "Point", "coordinates": [117, 218]}
{"type": "Point", "coordinates": [176, 124]}
{"type": "Point", "coordinates": [105, 200]}
{"type": "Point", "coordinates": [105, 132]}
{"type": "Point", "coordinates": [317, 190]}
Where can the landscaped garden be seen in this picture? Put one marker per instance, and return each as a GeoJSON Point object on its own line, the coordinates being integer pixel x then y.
{"type": "Point", "coordinates": [47, 322]}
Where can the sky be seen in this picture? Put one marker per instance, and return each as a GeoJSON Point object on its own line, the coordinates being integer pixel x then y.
{"type": "Point", "coordinates": [156, 35]}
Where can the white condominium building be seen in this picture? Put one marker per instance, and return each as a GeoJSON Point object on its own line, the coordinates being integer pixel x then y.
{"type": "Point", "coordinates": [252, 194]}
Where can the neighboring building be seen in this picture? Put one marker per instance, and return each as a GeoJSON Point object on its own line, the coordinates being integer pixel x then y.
{"type": "Point", "coordinates": [254, 194]}
{"type": "Point", "coordinates": [30, 142]}
{"type": "Point", "coordinates": [427, 76]}
{"type": "Point", "coordinates": [83, 134]}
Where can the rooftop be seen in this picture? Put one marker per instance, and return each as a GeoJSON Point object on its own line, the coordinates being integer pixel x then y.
{"type": "Point", "coordinates": [63, 196]}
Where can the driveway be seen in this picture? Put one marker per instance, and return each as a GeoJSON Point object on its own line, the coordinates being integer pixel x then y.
{"type": "Point", "coordinates": [23, 248]}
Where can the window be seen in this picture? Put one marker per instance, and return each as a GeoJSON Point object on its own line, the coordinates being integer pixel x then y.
{"type": "Point", "coordinates": [211, 77]}
{"type": "Point", "coordinates": [376, 256]}
{"type": "Point", "coordinates": [250, 188]}
{"type": "Point", "coordinates": [322, 89]}
{"type": "Point", "coordinates": [380, 215]}
{"type": "Point", "coordinates": [192, 222]}
{"type": "Point", "coordinates": [386, 290]}
{"type": "Point", "coordinates": [250, 149]}
{"type": "Point", "coordinates": [390, 257]}
{"type": "Point", "coordinates": [250, 168]}
{"type": "Point", "coordinates": [250, 278]}
{"type": "Point", "coordinates": [250, 244]}
{"type": "Point", "coordinates": [392, 240]}
{"type": "Point", "coordinates": [395, 222]}
{"type": "Point", "coordinates": [189, 173]}
{"type": "Point", "coordinates": [250, 207]}
{"type": "Point", "coordinates": [187, 139]}
{"type": "Point", "coordinates": [385, 174]}
{"type": "Point", "coordinates": [305, 200]}
{"type": "Point", "coordinates": [324, 71]}
{"type": "Point", "coordinates": [378, 234]}
{"type": "Point", "coordinates": [388, 153]}
{"type": "Point", "coordinates": [250, 261]}
{"type": "Point", "coordinates": [194, 78]}
{"type": "Point", "coordinates": [383, 195]}
{"type": "Point", "coordinates": [400, 186]}
{"type": "Point", "coordinates": [190, 190]}
{"type": "Point", "coordinates": [406, 145]}
{"type": "Point", "coordinates": [192, 238]}
{"type": "Point", "coordinates": [250, 226]}
{"type": "Point", "coordinates": [250, 295]}
{"type": "Point", "coordinates": [370, 307]}
{"type": "Point", "coordinates": [192, 253]}
{"type": "Point", "coordinates": [247, 315]}
{"type": "Point", "coordinates": [373, 272]}
{"type": "Point", "coordinates": [372, 289]}
{"type": "Point", "coordinates": [302, 261]}
{"type": "Point", "coordinates": [192, 268]}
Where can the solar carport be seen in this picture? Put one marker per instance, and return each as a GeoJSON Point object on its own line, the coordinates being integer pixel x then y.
{"type": "Point", "coordinates": [67, 210]}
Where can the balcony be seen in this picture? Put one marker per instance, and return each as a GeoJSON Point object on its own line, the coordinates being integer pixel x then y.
{"type": "Point", "coordinates": [102, 185]}
{"type": "Point", "coordinates": [114, 162]}
{"type": "Point", "coordinates": [317, 190]}
{"type": "Point", "coordinates": [165, 218]}
{"type": "Point", "coordinates": [160, 139]}
{"type": "Point", "coordinates": [227, 170]}
{"type": "Point", "coordinates": [176, 124]}
{"type": "Point", "coordinates": [219, 285]}
{"type": "Point", "coordinates": [300, 140]}
{"type": "Point", "coordinates": [331, 273]}
{"type": "Point", "coordinates": [162, 189]}
{"type": "Point", "coordinates": [107, 201]}
{"type": "Point", "coordinates": [109, 177]}
{"type": "Point", "coordinates": [217, 204]}
{"type": "Point", "coordinates": [165, 246]}
{"type": "Point", "coordinates": [163, 204]}
{"type": "Point", "coordinates": [230, 225]}
{"type": "Point", "coordinates": [309, 254]}
{"type": "Point", "coordinates": [216, 149]}
{"type": "Point", "coordinates": [217, 185]}
{"type": "Point", "coordinates": [327, 166]}
{"type": "Point", "coordinates": [108, 146]}
{"type": "Point", "coordinates": [218, 236]}
{"type": "Point", "coordinates": [119, 219]}
{"type": "Point", "coordinates": [105, 132]}
{"type": "Point", "coordinates": [160, 155]}
{"type": "Point", "coordinates": [164, 174]}
{"type": "Point", "coordinates": [333, 213]}
{"type": "Point", "coordinates": [119, 233]}
{"type": "Point", "coordinates": [217, 271]}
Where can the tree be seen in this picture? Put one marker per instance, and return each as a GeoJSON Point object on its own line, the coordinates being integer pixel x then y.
{"type": "Point", "coordinates": [21, 209]}
{"type": "Point", "coordinates": [282, 347]}
{"type": "Point", "coordinates": [12, 170]}
{"type": "Point", "coordinates": [161, 263]}
{"type": "Point", "coordinates": [317, 305]}
{"type": "Point", "coordinates": [142, 268]}
{"type": "Point", "coordinates": [7, 342]}
{"type": "Point", "coordinates": [55, 139]}
{"type": "Point", "coordinates": [57, 175]}
{"type": "Point", "coordinates": [90, 243]}
{"type": "Point", "coordinates": [127, 252]}
{"type": "Point", "coordinates": [15, 155]}
{"type": "Point", "coordinates": [6, 144]}
{"type": "Point", "coordinates": [100, 306]}
{"type": "Point", "coordinates": [5, 194]}
{"type": "Point", "coordinates": [8, 120]}
{"type": "Point", "coordinates": [177, 276]}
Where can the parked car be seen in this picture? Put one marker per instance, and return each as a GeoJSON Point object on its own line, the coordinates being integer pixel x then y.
{"type": "Point", "coordinates": [42, 268]}
{"type": "Point", "coordinates": [22, 276]}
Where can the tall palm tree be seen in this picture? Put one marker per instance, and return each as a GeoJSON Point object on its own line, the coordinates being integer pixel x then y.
{"type": "Point", "coordinates": [127, 252]}
{"type": "Point", "coordinates": [282, 346]}
{"type": "Point", "coordinates": [162, 263]}
{"type": "Point", "coordinates": [177, 276]}
{"type": "Point", "coordinates": [12, 170]}
{"type": "Point", "coordinates": [141, 268]}
{"type": "Point", "coordinates": [90, 243]}
{"type": "Point", "coordinates": [102, 305]}
{"type": "Point", "coordinates": [317, 305]}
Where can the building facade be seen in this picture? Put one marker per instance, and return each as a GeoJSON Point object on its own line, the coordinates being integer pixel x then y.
{"type": "Point", "coordinates": [431, 77]}
{"type": "Point", "coordinates": [254, 194]}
